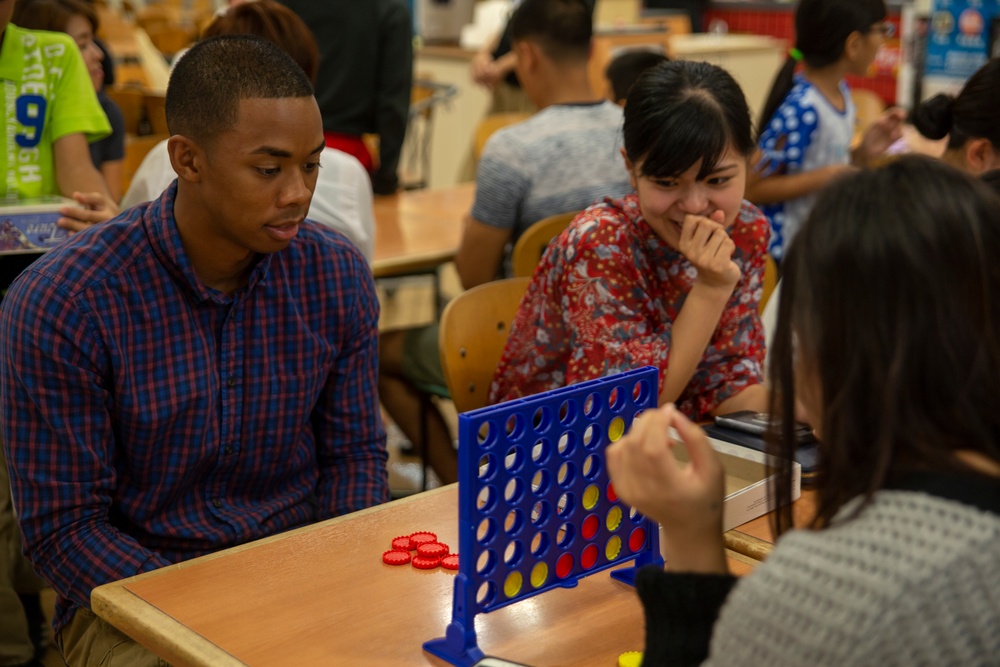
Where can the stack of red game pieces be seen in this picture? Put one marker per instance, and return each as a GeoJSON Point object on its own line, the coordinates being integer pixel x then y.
{"type": "Point", "coordinates": [430, 553]}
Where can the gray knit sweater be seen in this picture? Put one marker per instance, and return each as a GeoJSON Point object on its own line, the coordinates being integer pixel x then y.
{"type": "Point", "coordinates": [913, 580]}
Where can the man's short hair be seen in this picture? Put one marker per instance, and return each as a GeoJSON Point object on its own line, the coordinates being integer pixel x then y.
{"type": "Point", "coordinates": [561, 28]}
{"type": "Point", "coordinates": [623, 71]}
{"type": "Point", "coordinates": [208, 82]}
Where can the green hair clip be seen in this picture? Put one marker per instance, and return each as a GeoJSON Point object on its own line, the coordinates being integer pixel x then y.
{"type": "Point", "coordinates": [795, 54]}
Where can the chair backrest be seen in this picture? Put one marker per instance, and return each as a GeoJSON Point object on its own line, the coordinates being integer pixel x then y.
{"type": "Point", "coordinates": [770, 282]}
{"type": "Point", "coordinates": [169, 39]}
{"type": "Point", "coordinates": [129, 100]}
{"type": "Point", "coordinates": [474, 329]}
{"type": "Point", "coordinates": [530, 246]}
{"type": "Point", "coordinates": [136, 149]}
{"type": "Point", "coordinates": [869, 106]}
{"type": "Point", "coordinates": [490, 124]}
{"type": "Point", "coordinates": [155, 104]}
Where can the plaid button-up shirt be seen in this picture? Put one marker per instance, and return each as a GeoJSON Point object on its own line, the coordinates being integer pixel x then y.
{"type": "Point", "coordinates": [149, 419]}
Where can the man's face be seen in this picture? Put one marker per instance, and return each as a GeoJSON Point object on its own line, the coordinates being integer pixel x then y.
{"type": "Point", "coordinates": [260, 175]}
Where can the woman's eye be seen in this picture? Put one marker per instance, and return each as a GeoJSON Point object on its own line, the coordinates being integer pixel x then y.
{"type": "Point", "coordinates": [268, 171]}
{"type": "Point", "coordinates": [721, 180]}
{"type": "Point", "coordinates": [312, 166]}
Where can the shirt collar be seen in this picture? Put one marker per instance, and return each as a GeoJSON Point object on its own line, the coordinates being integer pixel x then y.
{"type": "Point", "coordinates": [161, 228]}
{"type": "Point", "coordinates": [12, 54]}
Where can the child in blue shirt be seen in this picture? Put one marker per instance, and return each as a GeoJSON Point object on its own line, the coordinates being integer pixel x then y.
{"type": "Point", "coordinates": [808, 121]}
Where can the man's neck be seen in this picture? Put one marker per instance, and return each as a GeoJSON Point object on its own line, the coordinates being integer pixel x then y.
{"type": "Point", "coordinates": [571, 87]}
{"type": "Point", "coordinates": [216, 262]}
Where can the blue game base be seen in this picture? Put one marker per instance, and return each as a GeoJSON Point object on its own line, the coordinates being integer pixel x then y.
{"type": "Point", "coordinates": [534, 493]}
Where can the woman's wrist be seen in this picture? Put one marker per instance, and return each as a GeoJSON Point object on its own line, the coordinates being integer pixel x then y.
{"type": "Point", "coordinates": [703, 554]}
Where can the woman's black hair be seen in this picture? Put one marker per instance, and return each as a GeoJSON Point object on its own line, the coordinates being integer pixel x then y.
{"type": "Point", "coordinates": [973, 114]}
{"type": "Point", "coordinates": [890, 310]}
{"type": "Point", "coordinates": [679, 112]}
{"type": "Point", "coordinates": [821, 31]}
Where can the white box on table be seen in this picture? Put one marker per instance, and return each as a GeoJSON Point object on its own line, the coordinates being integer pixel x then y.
{"type": "Point", "coordinates": [29, 225]}
{"type": "Point", "coordinates": [747, 477]}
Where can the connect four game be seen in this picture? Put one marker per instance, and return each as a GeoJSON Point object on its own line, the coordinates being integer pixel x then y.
{"type": "Point", "coordinates": [536, 507]}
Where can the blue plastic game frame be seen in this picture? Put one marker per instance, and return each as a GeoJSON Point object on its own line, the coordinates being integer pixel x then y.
{"type": "Point", "coordinates": [536, 507]}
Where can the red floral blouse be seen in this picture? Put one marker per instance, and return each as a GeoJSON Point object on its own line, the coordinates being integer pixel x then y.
{"type": "Point", "coordinates": [604, 298]}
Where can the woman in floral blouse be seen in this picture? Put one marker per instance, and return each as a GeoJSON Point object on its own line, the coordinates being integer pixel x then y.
{"type": "Point", "coordinates": [668, 276]}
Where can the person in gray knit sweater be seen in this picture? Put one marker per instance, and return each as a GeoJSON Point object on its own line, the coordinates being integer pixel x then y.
{"type": "Point", "coordinates": [888, 339]}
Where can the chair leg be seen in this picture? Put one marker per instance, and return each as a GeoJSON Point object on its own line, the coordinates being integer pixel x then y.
{"type": "Point", "coordinates": [425, 405]}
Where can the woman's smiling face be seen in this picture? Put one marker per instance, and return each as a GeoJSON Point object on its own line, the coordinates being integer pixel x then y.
{"type": "Point", "coordinates": [665, 202]}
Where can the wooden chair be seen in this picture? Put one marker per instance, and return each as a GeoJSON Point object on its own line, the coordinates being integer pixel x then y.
{"type": "Point", "coordinates": [869, 107]}
{"type": "Point", "coordinates": [530, 246]}
{"type": "Point", "coordinates": [154, 105]}
{"type": "Point", "coordinates": [474, 329]}
{"type": "Point", "coordinates": [136, 149]}
{"type": "Point", "coordinates": [169, 39]}
{"type": "Point", "coordinates": [129, 100]}
{"type": "Point", "coordinates": [490, 124]}
{"type": "Point", "coordinates": [770, 282]}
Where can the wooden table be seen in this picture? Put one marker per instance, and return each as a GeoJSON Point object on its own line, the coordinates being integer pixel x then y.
{"type": "Point", "coordinates": [755, 539]}
{"type": "Point", "coordinates": [419, 230]}
{"type": "Point", "coordinates": [320, 595]}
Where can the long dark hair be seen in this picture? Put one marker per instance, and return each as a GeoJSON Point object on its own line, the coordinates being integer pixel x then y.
{"type": "Point", "coordinates": [821, 31]}
{"type": "Point", "coordinates": [973, 114]}
{"type": "Point", "coordinates": [679, 112]}
{"type": "Point", "coordinates": [891, 300]}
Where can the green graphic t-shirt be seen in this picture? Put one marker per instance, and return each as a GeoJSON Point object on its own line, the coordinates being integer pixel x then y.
{"type": "Point", "coordinates": [47, 94]}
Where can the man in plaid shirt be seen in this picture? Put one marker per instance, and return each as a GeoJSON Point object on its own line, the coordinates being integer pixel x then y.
{"type": "Point", "coordinates": [200, 371]}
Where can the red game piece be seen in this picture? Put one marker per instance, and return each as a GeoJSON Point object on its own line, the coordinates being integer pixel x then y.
{"type": "Point", "coordinates": [433, 550]}
{"type": "Point", "coordinates": [402, 543]}
{"type": "Point", "coordinates": [422, 563]}
{"type": "Point", "coordinates": [393, 557]}
{"type": "Point", "coordinates": [416, 539]}
{"type": "Point", "coordinates": [450, 562]}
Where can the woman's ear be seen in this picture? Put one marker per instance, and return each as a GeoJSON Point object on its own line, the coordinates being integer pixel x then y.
{"type": "Point", "coordinates": [853, 45]}
{"type": "Point", "coordinates": [980, 155]}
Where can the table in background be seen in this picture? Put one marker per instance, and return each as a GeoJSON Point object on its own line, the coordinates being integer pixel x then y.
{"type": "Point", "coordinates": [321, 595]}
{"type": "Point", "coordinates": [419, 230]}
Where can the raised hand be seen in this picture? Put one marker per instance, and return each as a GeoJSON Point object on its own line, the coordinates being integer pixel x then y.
{"type": "Point", "coordinates": [706, 244]}
{"type": "Point", "coordinates": [685, 498]}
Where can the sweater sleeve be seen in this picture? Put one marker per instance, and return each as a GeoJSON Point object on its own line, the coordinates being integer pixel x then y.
{"type": "Point", "coordinates": [681, 609]}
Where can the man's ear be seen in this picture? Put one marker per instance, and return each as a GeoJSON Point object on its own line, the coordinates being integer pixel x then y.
{"type": "Point", "coordinates": [186, 157]}
{"type": "Point", "coordinates": [527, 54]}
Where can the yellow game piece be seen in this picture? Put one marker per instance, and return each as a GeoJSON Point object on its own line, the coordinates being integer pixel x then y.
{"type": "Point", "coordinates": [630, 659]}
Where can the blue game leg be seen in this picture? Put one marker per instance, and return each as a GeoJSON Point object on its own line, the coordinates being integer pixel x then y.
{"type": "Point", "coordinates": [458, 646]}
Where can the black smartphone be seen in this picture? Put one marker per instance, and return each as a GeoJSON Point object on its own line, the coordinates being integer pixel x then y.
{"type": "Point", "coordinates": [756, 423]}
{"type": "Point", "coordinates": [747, 428]}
